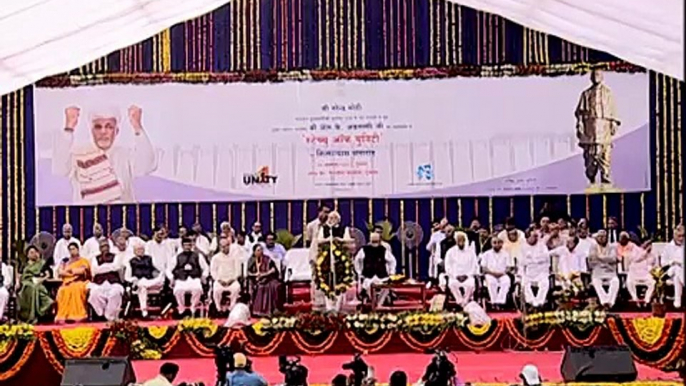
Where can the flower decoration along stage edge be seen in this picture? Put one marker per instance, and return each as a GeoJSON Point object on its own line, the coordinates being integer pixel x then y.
{"type": "Point", "coordinates": [21, 331]}
{"type": "Point", "coordinates": [582, 319]}
{"type": "Point", "coordinates": [314, 323]}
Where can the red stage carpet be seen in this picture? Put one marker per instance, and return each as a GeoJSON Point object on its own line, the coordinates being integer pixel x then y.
{"type": "Point", "coordinates": [491, 367]}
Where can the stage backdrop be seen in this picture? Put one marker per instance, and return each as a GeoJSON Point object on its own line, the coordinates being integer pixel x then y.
{"type": "Point", "coordinates": [310, 140]}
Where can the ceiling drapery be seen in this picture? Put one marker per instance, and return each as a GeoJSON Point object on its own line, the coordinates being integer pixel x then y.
{"type": "Point", "coordinates": [39, 38]}
{"type": "Point", "coordinates": [646, 33]}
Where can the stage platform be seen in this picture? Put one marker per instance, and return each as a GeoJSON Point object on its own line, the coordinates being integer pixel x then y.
{"type": "Point", "coordinates": [656, 343]}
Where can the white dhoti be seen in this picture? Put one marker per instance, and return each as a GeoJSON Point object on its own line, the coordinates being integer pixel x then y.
{"type": "Point", "coordinates": [676, 273]}
{"type": "Point", "coordinates": [218, 290]}
{"type": "Point", "coordinates": [498, 288]}
{"type": "Point", "coordinates": [610, 296]}
{"type": "Point", "coordinates": [106, 299]}
{"type": "Point", "coordinates": [146, 286]}
{"type": "Point", "coordinates": [183, 287]}
{"type": "Point", "coordinates": [367, 284]}
{"type": "Point", "coordinates": [4, 298]}
{"type": "Point", "coordinates": [633, 280]}
{"type": "Point", "coordinates": [542, 282]}
{"type": "Point", "coordinates": [462, 290]}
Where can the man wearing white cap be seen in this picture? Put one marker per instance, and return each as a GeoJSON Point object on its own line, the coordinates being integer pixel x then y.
{"type": "Point", "coordinates": [461, 266]}
{"type": "Point", "coordinates": [102, 172]}
{"type": "Point", "coordinates": [530, 376]}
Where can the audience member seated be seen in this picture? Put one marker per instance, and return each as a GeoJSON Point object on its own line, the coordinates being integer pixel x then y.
{"type": "Point", "coordinates": [186, 276]}
{"type": "Point", "coordinates": [256, 235]}
{"type": "Point", "coordinates": [61, 250]}
{"type": "Point", "coordinates": [144, 276]}
{"type": "Point", "coordinates": [603, 259]}
{"type": "Point", "coordinates": [673, 262]}
{"type": "Point", "coordinates": [225, 232]}
{"type": "Point", "coordinates": [168, 372]}
{"type": "Point", "coordinates": [225, 269]}
{"type": "Point", "coordinates": [6, 281]}
{"type": "Point", "coordinates": [33, 300]}
{"type": "Point", "coordinates": [106, 289]}
{"type": "Point", "coordinates": [263, 283]}
{"type": "Point", "coordinates": [639, 262]}
{"type": "Point", "coordinates": [398, 378]}
{"type": "Point", "coordinates": [585, 241]}
{"type": "Point", "coordinates": [535, 270]}
{"type": "Point", "coordinates": [613, 231]}
{"type": "Point", "coordinates": [274, 250]}
{"type": "Point", "coordinates": [202, 241]}
{"type": "Point", "coordinates": [461, 267]}
{"type": "Point", "coordinates": [442, 248]}
{"type": "Point", "coordinates": [553, 239]}
{"type": "Point", "coordinates": [240, 377]}
{"type": "Point", "coordinates": [160, 249]}
{"type": "Point", "coordinates": [91, 247]}
{"type": "Point", "coordinates": [75, 272]}
{"type": "Point", "coordinates": [571, 264]}
{"type": "Point", "coordinates": [496, 264]}
{"type": "Point", "coordinates": [510, 226]}
{"type": "Point", "coordinates": [530, 376]}
{"type": "Point", "coordinates": [339, 380]}
{"type": "Point", "coordinates": [240, 313]}
{"type": "Point", "coordinates": [373, 264]}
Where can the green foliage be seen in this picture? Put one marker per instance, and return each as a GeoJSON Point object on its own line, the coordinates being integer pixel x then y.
{"type": "Point", "coordinates": [286, 238]}
{"type": "Point", "coordinates": [387, 233]}
{"type": "Point", "coordinates": [19, 254]}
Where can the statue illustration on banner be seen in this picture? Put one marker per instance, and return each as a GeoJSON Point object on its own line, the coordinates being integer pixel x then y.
{"type": "Point", "coordinates": [102, 172]}
{"type": "Point", "coordinates": [596, 125]}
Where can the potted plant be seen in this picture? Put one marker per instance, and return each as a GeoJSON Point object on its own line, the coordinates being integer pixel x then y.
{"type": "Point", "coordinates": [286, 238]}
{"type": "Point", "coordinates": [658, 303]}
{"type": "Point", "coordinates": [386, 226]}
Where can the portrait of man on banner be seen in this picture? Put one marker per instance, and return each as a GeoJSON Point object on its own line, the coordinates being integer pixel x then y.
{"type": "Point", "coordinates": [102, 171]}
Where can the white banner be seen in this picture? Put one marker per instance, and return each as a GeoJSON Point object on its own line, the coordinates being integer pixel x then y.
{"type": "Point", "coordinates": [421, 138]}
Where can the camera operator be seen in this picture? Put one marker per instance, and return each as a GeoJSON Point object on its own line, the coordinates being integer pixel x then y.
{"type": "Point", "coordinates": [294, 373]}
{"type": "Point", "coordinates": [240, 376]}
{"type": "Point", "coordinates": [359, 368]}
{"type": "Point", "coordinates": [440, 372]}
{"type": "Point", "coordinates": [168, 372]}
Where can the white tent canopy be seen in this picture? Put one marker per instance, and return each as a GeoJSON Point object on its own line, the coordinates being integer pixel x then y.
{"type": "Point", "coordinates": [39, 38]}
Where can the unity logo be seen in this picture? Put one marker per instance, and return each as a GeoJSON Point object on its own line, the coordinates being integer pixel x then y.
{"type": "Point", "coordinates": [261, 177]}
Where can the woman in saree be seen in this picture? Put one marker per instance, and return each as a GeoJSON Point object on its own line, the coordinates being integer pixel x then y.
{"type": "Point", "coordinates": [264, 284]}
{"type": "Point", "coordinates": [75, 272]}
{"type": "Point", "coordinates": [33, 299]}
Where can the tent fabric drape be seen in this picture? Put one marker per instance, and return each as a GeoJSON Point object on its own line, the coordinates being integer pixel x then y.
{"type": "Point", "coordinates": [646, 33]}
{"type": "Point", "coordinates": [39, 38]}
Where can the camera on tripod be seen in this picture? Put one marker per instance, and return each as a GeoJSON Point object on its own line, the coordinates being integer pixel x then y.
{"type": "Point", "coordinates": [359, 369]}
{"type": "Point", "coordinates": [295, 374]}
{"type": "Point", "coordinates": [441, 371]}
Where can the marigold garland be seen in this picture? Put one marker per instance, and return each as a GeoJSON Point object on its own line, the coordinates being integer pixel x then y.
{"type": "Point", "coordinates": [371, 347]}
{"type": "Point", "coordinates": [19, 365]}
{"type": "Point", "coordinates": [584, 342]}
{"type": "Point", "coordinates": [416, 345]}
{"type": "Point", "coordinates": [534, 344]}
{"type": "Point", "coordinates": [76, 342]}
{"type": "Point", "coordinates": [336, 280]}
{"type": "Point", "coordinates": [314, 349]}
{"type": "Point", "coordinates": [495, 328]}
{"type": "Point", "coordinates": [323, 75]}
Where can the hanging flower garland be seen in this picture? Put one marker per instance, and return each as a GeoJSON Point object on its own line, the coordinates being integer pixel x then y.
{"type": "Point", "coordinates": [203, 326]}
{"type": "Point", "coordinates": [337, 279]}
{"type": "Point", "coordinates": [578, 319]}
{"type": "Point", "coordinates": [324, 75]}
{"type": "Point", "coordinates": [134, 337]}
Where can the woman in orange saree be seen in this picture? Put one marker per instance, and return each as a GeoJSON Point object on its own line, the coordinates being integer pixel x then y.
{"type": "Point", "coordinates": [75, 272]}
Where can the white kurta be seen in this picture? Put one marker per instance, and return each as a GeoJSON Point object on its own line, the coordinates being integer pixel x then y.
{"type": "Point", "coordinates": [163, 254]}
{"type": "Point", "coordinates": [639, 264]}
{"type": "Point", "coordinates": [127, 163]}
{"type": "Point", "coordinates": [226, 268]}
{"type": "Point", "coordinates": [535, 273]}
{"type": "Point", "coordinates": [434, 247]}
{"type": "Point", "coordinates": [458, 263]}
{"type": "Point", "coordinates": [498, 287]}
{"type": "Point", "coordinates": [190, 285]}
{"type": "Point", "coordinates": [62, 249]}
{"type": "Point", "coordinates": [673, 259]}
{"type": "Point", "coordinates": [145, 286]}
{"type": "Point", "coordinates": [91, 248]}
{"type": "Point", "coordinates": [106, 298]}
{"type": "Point", "coordinates": [7, 280]}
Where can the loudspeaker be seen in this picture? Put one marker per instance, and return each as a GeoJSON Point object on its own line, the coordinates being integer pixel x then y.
{"type": "Point", "coordinates": [98, 372]}
{"type": "Point", "coordinates": [598, 364]}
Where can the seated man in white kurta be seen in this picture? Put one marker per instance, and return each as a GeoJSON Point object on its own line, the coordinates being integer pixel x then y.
{"type": "Point", "coordinates": [186, 274]}
{"type": "Point", "coordinates": [461, 266]}
{"type": "Point", "coordinates": [106, 289]}
{"type": "Point", "coordinates": [102, 171]}
{"type": "Point", "coordinates": [603, 259]}
{"type": "Point", "coordinates": [673, 262]}
{"type": "Point", "coordinates": [496, 263]}
{"type": "Point", "coordinates": [374, 263]}
{"type": "Point", "coordinates": [226, 268]}
{"type": "Point", "coordinates": [640, 261]}
{"type": "Point", "coordinates": [145, 275]}
{"type": "Point", "coordinates": [535, 269]}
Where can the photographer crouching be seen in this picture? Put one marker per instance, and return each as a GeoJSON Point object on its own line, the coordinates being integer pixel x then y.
{"type": "Point", "coordinates": [242, 374]}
